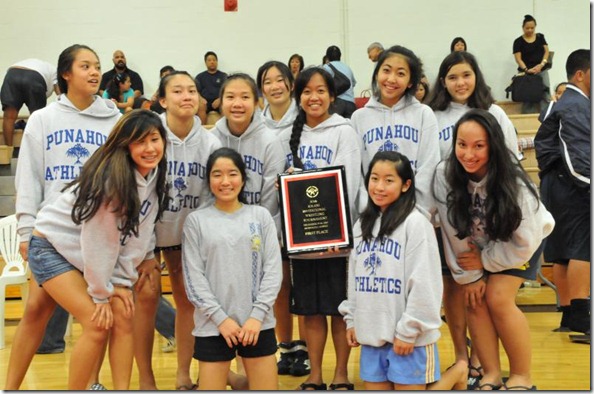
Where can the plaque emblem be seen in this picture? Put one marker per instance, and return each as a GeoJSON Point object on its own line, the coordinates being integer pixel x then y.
{"type": "Point", "coordinates": [312, 192]}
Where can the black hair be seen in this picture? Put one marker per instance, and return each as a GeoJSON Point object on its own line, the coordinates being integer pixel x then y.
{"type": "Point", "coordinates": [108, 176]}
{"type": "Point", "coordinates": [399, 210]}
{"type": "Point", "coordinates": [457, 40]}
{"type": "Point", "coordinates": [113, 86]}
{"type": "Point", "coordinates": [578, 60]}
{"type": "Point", "coordinates": [427, 91]}
{"type": "Point", "coordinates": [440, 98]}
{"type": "Point", "coordinates": [240, 76]}
{"type": "Point", "coordinates": [333, 53]}
{"type": "Point", "coordinates": [528, 18]}
{"type": "Point", "coordinates": [301, 61]}
{"type": "Point", "coordinates": [414, 63]}
{"type": "Point", "coordinates": [300, 85]}
{"type": "Point", "coordinates": [165, 80]}
{"type": "Point", "coordinates": [503, 212]}
{"type": "Point", "coordinates": [65, 61]}
{"type": "Point", "coordinates": [207, 54]}
{"type": "Point", "coordinates": [282, 68]}
{"type": "Point", "coordinates": [166, 69]}
{"type": "Point", "coordinates": [237, 160]}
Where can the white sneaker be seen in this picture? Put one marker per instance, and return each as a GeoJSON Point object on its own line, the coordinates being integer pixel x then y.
{"type": "Point", "coordinates": [169, 347]}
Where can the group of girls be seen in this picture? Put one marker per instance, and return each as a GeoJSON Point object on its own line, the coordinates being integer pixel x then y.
{"type": "Point", "coordinates": [144, 186]}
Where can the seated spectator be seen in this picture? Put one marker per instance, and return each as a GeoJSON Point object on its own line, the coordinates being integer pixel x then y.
{"type": "Point", "coordinates": [296, 64]}
{"type": "Point", "coordinates": [374, 50]}
{"type": "Point", "coordinates": [119, 62]}
{"type": "Point", "coordinates": [119, 91]}
{"type": "Point", "coordinates": [209, 82]}
{"type": "Point", "coordinates": [458, 44]}
{"type": "Point", "coordinates": [559, 89]}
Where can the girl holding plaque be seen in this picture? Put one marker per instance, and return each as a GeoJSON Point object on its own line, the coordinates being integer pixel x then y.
{"type": "Point", "coordinates": [319, 139]}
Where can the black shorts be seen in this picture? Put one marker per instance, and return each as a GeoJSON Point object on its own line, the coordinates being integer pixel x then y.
{"type": "Point", "coordinates": [318, 286]}
{"type": "Point", "coordinates": [445, 270]}
{"type": "Point", "coordinates": [22, 86]}
{"type": "Point", "coordinates": [528, 270]}
{"type": "Point", "coordinates": [570, 206]}
{"type": "Point", "coordinates": [214, 349]}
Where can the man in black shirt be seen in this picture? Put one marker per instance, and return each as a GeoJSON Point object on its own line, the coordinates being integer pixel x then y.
{"type": "Point", "coordinates": [209, 82]}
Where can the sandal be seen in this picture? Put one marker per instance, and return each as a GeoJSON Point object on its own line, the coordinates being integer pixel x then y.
{"type": "Point", "coordinates": [519, 387]}
{"type": "Point", "coordinates": [339, 386]}
{"type": "Point", "coordinates": [491, 386]}
{"type": "Point", "coordinates": [474, 380]}
{"type": "Point", "coordinates": [312, 386]}
{"type": "Point", "coordinates": [186, 387]}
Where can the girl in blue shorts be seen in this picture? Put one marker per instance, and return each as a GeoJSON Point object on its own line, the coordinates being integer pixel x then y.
{"type": "Point", "coordinates": [394, 285]}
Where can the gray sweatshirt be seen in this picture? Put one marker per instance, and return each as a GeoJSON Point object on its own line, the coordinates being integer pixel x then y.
{"type": "Point", "coordinates": [281, 126]}
{"type": "Point", "coordinates": [395, 286]}
{"type": "Point", "coordinates": [232, 267]}
{"type": "Point", "coordinates": [97, 247]}
{"type": "Point", "coordinates": [57, 141]}
{"type": "Point", "coordinates": [186, 176]}
{"type": "Point", "coordinates": [537, 223]}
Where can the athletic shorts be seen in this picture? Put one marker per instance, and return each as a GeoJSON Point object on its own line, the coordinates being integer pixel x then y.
{"type": "Point", "coordinates": [445, 270]}
{"type": "Point", "coordinates": [215, 348]}
{"type": "Point", "coordinates": [381, 364]}
{"type": "Point", "coordinates": [318, 286]}
{"type": "Point", "coordinates": [22, 86]}
{"type": "Point", "coordinates": [45, 262]}
{"type": "Point", "coordinates": [570, 206]}
{"type": "Point", "coordinates": [528, 270]}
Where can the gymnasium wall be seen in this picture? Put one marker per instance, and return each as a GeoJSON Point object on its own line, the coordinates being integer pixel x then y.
{"type": "Point", "coordinates": [155, 33]}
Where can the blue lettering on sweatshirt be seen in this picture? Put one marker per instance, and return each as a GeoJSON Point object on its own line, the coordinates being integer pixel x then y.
{"type": "Point", "coordinates": [397, 131]}
{"type": "Point", "coordinates": [253, 164]}
{"type": "Point", "coordinates": [144, 209]}
{"type": "Point", "coordinates": [387, 246]}
{"type": "Point", "coordinates": [252, 198]}
{"type": "Point", "coordinates": [368, 284]}
{"type": "Point", "coordinates": [176, 204]}
{"type": "Point", "coordinates": [69, 136]}
{"type": "Point", "coordinates": [316, 152]}
{"type": "Point", "coordinates": [446, 133]}
{"type": "Point", "coordinates": [185, 169]}
{"type": "Point", "coordinates": [62, 172]}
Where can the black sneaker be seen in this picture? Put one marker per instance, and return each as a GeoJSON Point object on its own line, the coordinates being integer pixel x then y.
{"type": "Point", "coordinates": [287, 357]}
{"type": "Point", "coordinates": [301, 365]}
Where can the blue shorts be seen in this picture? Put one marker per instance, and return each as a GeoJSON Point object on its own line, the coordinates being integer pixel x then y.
{"type": "Point", "coordinates": [45, 262]}
{"type": "Point", "coordinates": [381, 364]}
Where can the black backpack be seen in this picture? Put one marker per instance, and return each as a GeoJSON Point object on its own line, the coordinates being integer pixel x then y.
{"type": "Point", "coordinates": [342, 83]}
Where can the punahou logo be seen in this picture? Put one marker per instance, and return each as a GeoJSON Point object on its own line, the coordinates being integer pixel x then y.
{"type": "Point", "coordinates": [79, 152]}
{"type": "Point", "coordinates": [372, 263]}
{"type": "Point", "coordinates": [389, 146]}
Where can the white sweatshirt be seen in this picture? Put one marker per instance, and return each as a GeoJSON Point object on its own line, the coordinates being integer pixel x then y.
{"type": "Point", "coordinates": [232, 267]}
{"type": "Point", "coordinates": [57, 141]}
{"type": "Point", "coordinates": [97, 247]}
{"type": "Point", "coordinates": [395, 285]}
{"type": "Point", "coordinates": [448, 118]}
{"type": "Point", "coordinates": [408, 127]}
{"type": "Point", "coordinates": [186, 176]}
{"type": "Point", "coordinates": [537, 223]}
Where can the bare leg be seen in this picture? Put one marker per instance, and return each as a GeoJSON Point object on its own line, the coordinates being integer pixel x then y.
{"type": "Point", "coordinates": [70, 290]}
{"type": "Point", "coordinates": [341, 348]}
{"type": "Point", "coordinates": [453, 378]}
{"type": "Point", "coordinates": [284, 319]}
{"type": "Point", "coordinates": [578, 274]}
{"type": "Point", "coordinates": [512, 326]}
{"type": "Point", "coordinates": [147, 300]}
{"type": "Point", "coordinates": [485, 341]}
{"type": "Point", "coordinates": [10, 116]}
{"type": "Point", "coordinates": [184, 319]}
{"type": "Point", "coordinates": [560, 279]}
{"type": "Point", "coordinates": [121, 346]}
{"type": "Point", "coordinates": [213, 375]}
{"type": "Point", "coordinates": [97, 368]}
{"type": "Point", "coordinates": [379, 386]}
{"type": "Point", "coordinates": [261, 372]}
{"type": "Point", "coordinates": [455, 312]}
{"type": "Point", "coordinates": [316, 332]}
{"type": "Point", "coordinates": [29, 334]}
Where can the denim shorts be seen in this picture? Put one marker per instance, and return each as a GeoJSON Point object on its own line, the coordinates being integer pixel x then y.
{"type": "Point", "coordinates": [45, 262]}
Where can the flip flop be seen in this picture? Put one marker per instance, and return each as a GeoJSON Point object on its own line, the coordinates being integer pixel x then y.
{"type": "Point", "coordinates": [491, 385]}
{"type": "Point", "coordinates": [339, 386]}
{"type": "Point", "coordinates": [311, 386]}
{"type": "Point", "coordinates": [186, 387]}
{"type": "Point", "coordinates": [519, 387]}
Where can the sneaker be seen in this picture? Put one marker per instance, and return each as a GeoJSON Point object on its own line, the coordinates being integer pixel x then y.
{"type": "Point", "coordinates": [50, 351]}
{"type": "Point", "coordinates": [301, 365]}
{"type": "Point", "coordinates": [97, 386]}
{"type": "Point", "coordinates": [287, 357]}
{"type": "Point", "coordinates": [169, 347]}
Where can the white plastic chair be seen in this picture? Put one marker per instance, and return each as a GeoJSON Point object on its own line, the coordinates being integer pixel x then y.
{"type": "Point", "coordinates": [16, 270]}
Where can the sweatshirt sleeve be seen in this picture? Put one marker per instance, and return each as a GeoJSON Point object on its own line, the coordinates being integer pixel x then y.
{"type": "Point", "coordinates": [272, 271]}
{"type": "Point", "coordinates": [275, 162]}
{"type": "Point", "coordinates": [452, 245]}
{"type": "Point", "coordinates": [427, 158]}
{"type": "Point", "coordinates": [347, 307]}
{"type": "Point", "coordinates": [30, 178]}
{"type": "Point", "coordinates": [536, 224]}
{"type": "Point", "coordinates": [100, 246]}
{"type": "Point", "coordinates": [423, 280]}
{"type": "Point", "coordinates": [508, 128]}
{"type": "Point", "coordinates": [349, 155]}
{"type": "Point", "coordinates": [194, 273]}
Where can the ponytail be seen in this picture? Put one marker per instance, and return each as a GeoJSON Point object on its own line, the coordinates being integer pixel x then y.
{"type": "Point", "coordinates": [296, 138]}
